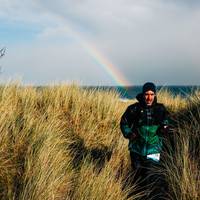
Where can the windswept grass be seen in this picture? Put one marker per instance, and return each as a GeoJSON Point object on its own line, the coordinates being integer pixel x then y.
{"type": "Point", "coordinates": [183, 167]}
{"type": "Point", "coordinates": [63, 142]}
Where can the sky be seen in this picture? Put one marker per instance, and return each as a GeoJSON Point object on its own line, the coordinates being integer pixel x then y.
{"type": "Point", "coordinates": [107, 42]}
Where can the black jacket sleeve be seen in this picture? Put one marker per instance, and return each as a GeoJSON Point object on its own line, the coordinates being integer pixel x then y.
{"type": "Point", "coordinates": [128, 121]}
{"type": "Point", "coordinates": [164, 123]}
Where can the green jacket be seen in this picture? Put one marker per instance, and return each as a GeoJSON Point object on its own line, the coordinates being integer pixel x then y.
{"type": "Point", "coordinates": [148, 123]}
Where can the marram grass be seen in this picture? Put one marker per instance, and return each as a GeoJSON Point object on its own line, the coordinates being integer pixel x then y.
{"type": "Point", "coordinates": [63, 142]}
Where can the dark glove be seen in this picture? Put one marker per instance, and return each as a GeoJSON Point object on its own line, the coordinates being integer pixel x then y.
{"type": "Point", "coordinates": [163, 131]}
{"type": "Point", "coordinates": [134, 135]}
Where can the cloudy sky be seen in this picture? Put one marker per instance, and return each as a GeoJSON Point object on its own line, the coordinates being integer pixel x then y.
{"type": "Point", "coordinates": [77, 40]}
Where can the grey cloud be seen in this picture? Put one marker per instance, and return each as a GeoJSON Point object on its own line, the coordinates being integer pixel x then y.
{"type": "Point", "coordinates": [143, 38]}
{"type": "Point", "coordinates": [46, 63]}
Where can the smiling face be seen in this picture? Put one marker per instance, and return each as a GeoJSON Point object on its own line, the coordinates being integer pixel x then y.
{"type": "Point", "coordinates": [149, 97]}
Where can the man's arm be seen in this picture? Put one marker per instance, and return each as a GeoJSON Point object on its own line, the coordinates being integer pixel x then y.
{"type": "Point", "coordinates": [165, 121]}
{"type": "Point", "coordinates": [127, 123]}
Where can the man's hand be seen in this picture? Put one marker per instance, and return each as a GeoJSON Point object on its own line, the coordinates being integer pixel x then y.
{"type": "Point", "coordinates": [133, 136]}
{"type": "Point", "coordinates": [165, 129]}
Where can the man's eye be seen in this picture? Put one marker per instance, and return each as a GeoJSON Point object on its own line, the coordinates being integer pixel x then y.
{"type": "Point", "coordinates": [149, 95]}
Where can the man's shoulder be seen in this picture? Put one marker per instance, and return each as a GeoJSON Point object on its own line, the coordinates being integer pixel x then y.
{"type": "Point", "coordinates": [160, 106]}
{"type": "Point", "coordinates": [134, 107]}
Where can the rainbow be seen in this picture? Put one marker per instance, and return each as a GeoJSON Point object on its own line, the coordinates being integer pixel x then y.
{"type": "Point", "coordinates": [98, 57]}
{"type": "Point", "coordinates": [107, 65]}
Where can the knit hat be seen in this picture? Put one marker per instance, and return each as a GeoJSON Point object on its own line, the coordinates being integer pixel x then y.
{"type": "Point", "coordinates": [148, 86]}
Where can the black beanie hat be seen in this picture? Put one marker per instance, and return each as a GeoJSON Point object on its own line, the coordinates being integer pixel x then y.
{"type": "Point", "coordinates": [148, 86]}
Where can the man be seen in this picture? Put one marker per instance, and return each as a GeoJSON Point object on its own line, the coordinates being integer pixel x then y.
{"type": "Point", "coordinates": [145, 123]}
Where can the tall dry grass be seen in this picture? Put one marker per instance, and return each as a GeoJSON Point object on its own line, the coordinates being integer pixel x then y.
{"type": "Point", "coordinates": [63, 142]}
{"type": "Point", "coordinates": [183, 161]}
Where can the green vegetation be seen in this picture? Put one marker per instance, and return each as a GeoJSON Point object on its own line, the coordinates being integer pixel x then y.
{"type": "Point", "coordinates": [63, 142]}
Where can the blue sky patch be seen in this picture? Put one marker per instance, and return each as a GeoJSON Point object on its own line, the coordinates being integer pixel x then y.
{"type": "Point", "coordinates": [17, 32]}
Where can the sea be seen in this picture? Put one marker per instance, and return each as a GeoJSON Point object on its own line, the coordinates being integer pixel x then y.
{"type": "Point", "coordinates": [131, 92]}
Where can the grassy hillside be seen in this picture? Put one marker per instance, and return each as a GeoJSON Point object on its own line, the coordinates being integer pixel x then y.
{"type": "Point", "coordinates": [62, 142]}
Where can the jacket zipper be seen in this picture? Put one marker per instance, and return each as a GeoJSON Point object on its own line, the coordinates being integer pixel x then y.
{"type": "Point", "coordinates": [147, 132]}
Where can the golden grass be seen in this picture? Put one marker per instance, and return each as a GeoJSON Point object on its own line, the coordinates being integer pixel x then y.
{"type": "Point", "coordinates": [183, 163]}
{"type": "Point", "coordinates": [173, 103]}
{"type": "Point", "coordinates": [63, 142]}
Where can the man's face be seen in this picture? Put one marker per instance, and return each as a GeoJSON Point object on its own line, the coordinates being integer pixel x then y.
{"type": "Point", "coordinates": [149, 97]}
